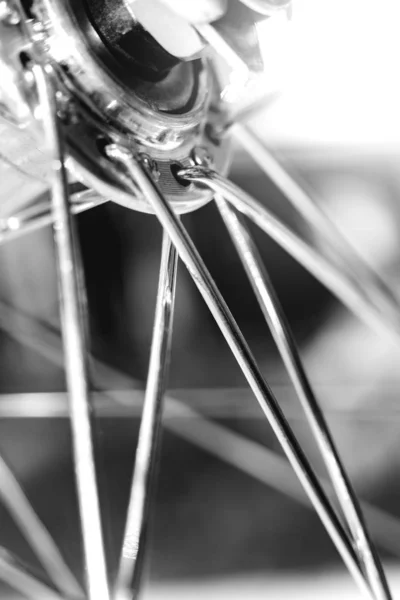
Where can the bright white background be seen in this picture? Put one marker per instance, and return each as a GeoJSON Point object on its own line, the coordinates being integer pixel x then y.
{"type": "Point", "coordinates": [341, 64]}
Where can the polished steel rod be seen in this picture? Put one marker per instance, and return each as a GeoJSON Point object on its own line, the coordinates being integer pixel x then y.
{"type": "Point", "coordinates": [14, 227]}
{"type": "Point", "coordinates": [320, 222]}
{"type": "Point", "coordinates": [22, 581]}
{"type": "Point", "coordinates": [74, 348]}
{"type": "Point", "coordinates": [257, 461]}
{"type": "Point", "coordinates": [36, 534]}
{"type": "Point", "coordinates": [180, 418]}
{"type": "Point", "coordinates": [213, 403]}
{"type": "Point", "coordinates": [41, 206]}
{"type": "Point", "coordinates": [245, 359]}
{"type": "Point", "coordinates": [287, 347]}
{"type": "Point", "coordinates": [191, 423]}
{"type": "Point", "coordinates": [347, 290]}
{"type": "Point", "coordinates": [371, 282]}
{"type": "Point", "coordinates": [135, 532]}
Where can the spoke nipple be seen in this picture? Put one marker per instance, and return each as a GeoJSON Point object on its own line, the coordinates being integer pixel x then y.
{"type": "Point", "coordinates": [114, 151]}
{"type": "Point", "coordinates": [151, 166]}
{"type": "Point", "coordinates": [201, 157]}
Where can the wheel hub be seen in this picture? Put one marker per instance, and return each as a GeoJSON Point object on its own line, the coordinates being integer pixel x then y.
{"type": "Point", "coordinates": [153, 103]}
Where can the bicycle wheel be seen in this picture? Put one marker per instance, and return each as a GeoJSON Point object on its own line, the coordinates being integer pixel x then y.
{"type": "Point", "coordinates": [115, 110]}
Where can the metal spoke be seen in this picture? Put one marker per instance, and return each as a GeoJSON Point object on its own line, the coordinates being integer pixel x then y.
{"type": "Point", "coordinates": [16, 502]}
{"type": "Point", "coordinates": [264, 465]}
{"type": "Point", "coordinates": [42, 206]}
{"type": "Point", "coordinates": [11, 492]}
{"type": "Point", "coordinates": [40, 216]}
{"type": "Point", "coordinates": [214, 403]}
{"type": "Point", "coordinates": [182, 418]}
{"type": "Point", "coordinates": [239, 114]}
{"type": "Point", "coordinates": [287, 347]}
{"type": "Point", "coordinates": [317, 218]}
{"type": "Point", "coordinates": [225, 50]}
{"type": "Point", "coordinates": [133, 549]}
{"type": "Point", "coordinates": [240, 350]}
{"type": "Point", "coordinates": [17, 577]}
{"type": "Point", "coordinates": [44, 341]}
{"type": "Point", "coordinates": [249, 457]}
{"type": "Point", "coordinates": [348, 291]}
{"type": "Point", "coordinates": [74, 347]}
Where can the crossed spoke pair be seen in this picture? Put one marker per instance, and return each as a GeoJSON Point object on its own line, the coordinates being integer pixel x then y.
{"type": "Point", "coordinates": [357, 285]}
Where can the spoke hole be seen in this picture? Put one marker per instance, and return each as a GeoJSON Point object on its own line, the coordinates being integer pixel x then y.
{"type": "Point", "coordinates": [25, 60]}
{"type": "Point", "coordinates": [175, 168]}
{"type": "Point", "coordinates": [102, 142]}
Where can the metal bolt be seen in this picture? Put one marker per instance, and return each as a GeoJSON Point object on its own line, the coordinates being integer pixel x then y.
{"type": "Point", "coordinates": [151, 166]}
{"type": "Point", "coordinates": [202, 157]}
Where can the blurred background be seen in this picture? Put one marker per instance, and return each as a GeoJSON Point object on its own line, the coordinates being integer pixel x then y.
{"type": "Point", "coordinates": [217, 529]}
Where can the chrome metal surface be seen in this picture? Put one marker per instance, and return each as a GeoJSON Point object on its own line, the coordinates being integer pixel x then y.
{"type": "Point", "coordinates": [237, 48]}
{"type": "Point", "coordinates": [135, 141]}
{"type": "Point", "coordinates": [74, 347]}
{"type": "Point", "coordinates": [14, 105]}
{"type": "Point", "coordinates": [19, 579]}
{"type": "Point", "coordinates": [133, 550]}
{"type": "Point", "coordinates": [284, 339]}
{"type": "Point", "coordinates": [264, 465]}
{"type": "Point", "coordinates": [39, 216]}
{"type": "Point", "coordinates": [245, 359]}
{"type": "Point", "coordinates": [14, 499]}
{"type": "Point", "coordinates": [188, 420]}
{"type": "Point", "coordinates": [98, 106]}
{"type": "Point", "coordinates": [323, 227]}
{"type": "Point", "coordinates": [185, 418]}
{"type": "Point", "coordinates": [351, 293]}
{"type": "Point", "coordinates": [24, 168]}
{"type": "Point", "coordinates": [163, 24]}
{"type": "Point", "coordinates": [97, 85]}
